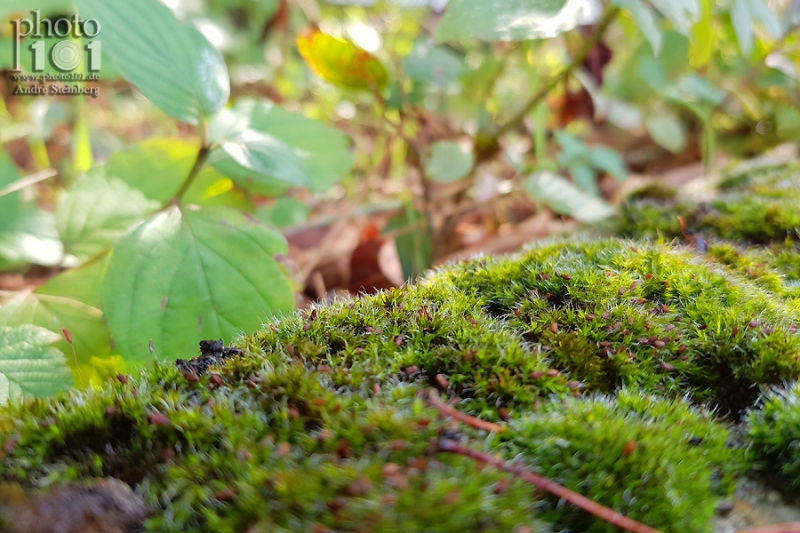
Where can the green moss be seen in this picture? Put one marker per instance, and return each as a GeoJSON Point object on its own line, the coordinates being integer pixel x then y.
{"type": "Point", "coordinates": [318, 424]}
{"type": "Point", "coordinates": [756, 205]}
{"type": "Point", "coordinates": [660, 451]}
{"type": "Point", "coordinates": [774, 431]}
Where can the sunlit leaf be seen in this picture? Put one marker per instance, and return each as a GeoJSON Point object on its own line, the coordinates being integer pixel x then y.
{"type": "Point", "coordinates": [701, 42]}
{"type": "Point", "coordinates": [29, 368]}
{"type": "Point", "coordinates": [192, 274]}
{"type": "Point", "coordinates": [449, 161]}
{"type": "Point", "coordinates": [340, 62]}
{"type": "Point", "coordinates": [158, 167]}
{"type": "Point", "coordinates": [170, 62]}
{"type": "Point", "coordinates": [325, 152]}
{"type": "Point", "coordinates": [509, 20]}
{"type": "Point", "coordinates": [564, 198]}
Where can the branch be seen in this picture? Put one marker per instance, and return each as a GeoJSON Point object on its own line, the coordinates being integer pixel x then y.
{"type": "Point", "coordinates": [577, 61]}
{"type": "Point", "coordinates": [590, 506]}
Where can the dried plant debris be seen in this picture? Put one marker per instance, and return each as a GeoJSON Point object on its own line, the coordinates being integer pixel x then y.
{"type": "Point", "coordinates": [212, 353]}
{"type": "Point", "coordinates": [616, 368]}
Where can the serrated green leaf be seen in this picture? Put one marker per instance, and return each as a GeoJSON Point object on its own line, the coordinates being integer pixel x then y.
{"type": "Point", "coordinates": [508, 20]}
{"type": "Point", "coordinates": [69, 300]}
{"type": "Point", "coordinates": [564, 198]}
{"type": "Point", "coordinates": [170, 62]}
{"type": "Point", "coordinates": [158, 167]}
{"type": "Point", "coordinates": [96, 212]}
{"type": "Point", "coordinates": [668, 132]}
{"type": "Point", "coordinates": [448, 162]}
{"type": "Point", "coordinates": [645, 18]}
{"type": "Point", "coordinates": [433, 65]}
{"type": "Point", "coordinates": [324, 151]}
{"type": "Point", "coordinates": [192, 274]}
{"type": "Point", "coordinates": [29, 368]}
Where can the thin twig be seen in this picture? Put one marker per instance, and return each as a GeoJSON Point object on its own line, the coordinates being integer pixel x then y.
{"type": "Point", "coordinates": [452, 412]}
{"type": "Point", "coordinates": [28, 181]}
{"type": "Point", "coordinates": [590, 506]}
{"type": "Point", "coordinates": [576, 62]}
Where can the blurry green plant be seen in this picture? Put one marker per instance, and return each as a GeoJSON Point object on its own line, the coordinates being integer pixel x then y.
{"type": "Point", "coordinates": [163, 243]}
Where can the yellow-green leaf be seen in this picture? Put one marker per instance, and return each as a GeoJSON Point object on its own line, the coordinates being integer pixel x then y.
{"type": "Point", "coordinates": [340, 62]}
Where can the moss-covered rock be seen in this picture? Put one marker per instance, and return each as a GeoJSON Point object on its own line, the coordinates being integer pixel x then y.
{"type": "Point", "coordinates": [615, 367]}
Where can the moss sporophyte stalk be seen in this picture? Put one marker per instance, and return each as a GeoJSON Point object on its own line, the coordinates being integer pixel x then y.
{"type": "Point", "coordinates": [618, 368]}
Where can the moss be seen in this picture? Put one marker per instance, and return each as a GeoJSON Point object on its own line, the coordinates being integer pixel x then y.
{"type": "Point", "coordinates": [660, 451]}
{"type": "Point", "coordinates": [774, 432]}
{"type": "Point", "coordinates": [755, 205]}
{"type": "Point", "coordinates": [316, 424]}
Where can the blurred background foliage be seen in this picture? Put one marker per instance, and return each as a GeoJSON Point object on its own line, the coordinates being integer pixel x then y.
{"type": "Point", "coordinates": [244, 157]}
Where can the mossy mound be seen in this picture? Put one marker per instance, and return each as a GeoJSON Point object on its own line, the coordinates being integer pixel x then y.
{"type": "Point", "coordinates": [755, 205]}
{"type": "Point", "coordinates": [599, 359]}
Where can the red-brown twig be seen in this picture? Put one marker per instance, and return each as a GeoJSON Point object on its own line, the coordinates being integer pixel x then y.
{"type": "Point", "coordinates": [788, 527]}
{"type": "Point", "coordinates": [452, 412]}
{"type": "Point", "coordinates": [590, 506]}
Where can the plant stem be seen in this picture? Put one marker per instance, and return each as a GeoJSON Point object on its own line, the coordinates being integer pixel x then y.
{"type": "Point", "coordinates": [576, 62]}
{"type": "Point", "coordinates": [202, 156]}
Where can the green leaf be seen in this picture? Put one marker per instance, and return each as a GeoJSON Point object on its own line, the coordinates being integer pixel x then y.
{"type": "Point", "coordinates": [9, 203]}
{"type": "Point", "coordinates": [645, 18]}
{"type": "Point", "coordinates": [28, 367]}
{"type": "Point", "coordinates": [415, 246]}
{"type": "Point", "coordinates": [284, 213]}
{"type": "Point", "coordinates": [448, 162]}
{"type": "Point", "coordinates": [572, 148]}
{"type": "Point", "coordinates": [188, 275]}
{"type": "Point", "coordinates": [564, 198]}
{"type": "Point", "coordinates": [69, 300]}
{"type": "Point", "coordinates": [256, 161]}
{"type": "Point", "coordinates": [742, 25]}
{"type": "Point", "coordinates": [433, 65]}
{"type": "Point", "coordinates": [787, 122]}
{"type": "Point", "coordinates": [30, 238]}
{"type": "Point", "coordinates": [96, 212]}
{"type": "Point", "coordinates": [668, 132]}
{"type": "Point", "coordinates": [171, 63]}
{"type": "Point", "coordinates": [744, 13]}
{"type": "Point", "coordinates": [609, 161]}
{"type": "Point", "coordinates": [324, 151]}
{"type": "Point", "coordinates": [701, 39]}
{"type": "Point", "coordinates": [682, 13]}
{"type": "Point", "coordinates": [341, 62]}
{"type": "Point", "coordinates": [508, 20]}
{"type": "Point", "coordinates": [158, 167]}
{"type": "Point", "coordinates": [584, 177]}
